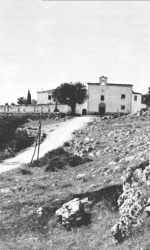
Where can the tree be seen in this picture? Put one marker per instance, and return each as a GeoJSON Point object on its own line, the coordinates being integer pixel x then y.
{"type": "Point", "coordinates": [33, 102]}
{"type": "Point", "coordinates": [70, 94]}
{"type": "Point", "coordinates": [146, 98]}
{"type": "Point", "coordinates": [29, 97]}
{"type": "Point", "coordinates": [22, 100]}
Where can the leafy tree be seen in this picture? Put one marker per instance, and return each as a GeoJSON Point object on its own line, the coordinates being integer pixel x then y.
{"type": "Point", "coordinates": [146, 98]}
{"type": "Point", "coordinates": [70, 94]}
{"type": "Point", "coordinates": [29, 97]}
{"type": "Point", "coordinates": [6, 104]}
{"type": "Point", "coordinates": [13, 104]}
{"type": "Point", "coordinates": [22, 100]}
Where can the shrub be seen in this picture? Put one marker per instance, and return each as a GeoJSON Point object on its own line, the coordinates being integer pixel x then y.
{"type": "Point", "coordinates": [62, 115]}
{"type": "Point", "coordinates": [55, 163]}
{"type": "Point", "coordinates": [75, 161]}
{"type": "Point", "coordinates": [66, 144]}
{"type": "Point", "coordinates": [59, 159]}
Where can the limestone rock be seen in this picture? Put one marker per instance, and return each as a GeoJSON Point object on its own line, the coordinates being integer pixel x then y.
{"type": "Point", "coordinates": [134, 199]}
{"type": "Point", "coordinates": [80, 176]}
{"type": "Point", "coordinates": [72, 213]}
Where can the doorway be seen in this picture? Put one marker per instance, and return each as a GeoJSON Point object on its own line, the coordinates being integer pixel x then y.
{"type": "Point", "coordinates": [102, 109]}
{"type": "Point", "coordinates": [84, 112]}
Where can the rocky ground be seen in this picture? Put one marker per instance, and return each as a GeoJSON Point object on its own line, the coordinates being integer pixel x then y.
{"type": "Point", "coordinates": [119, 143]}
{"type": "Point", "coordinates": [30, 196]}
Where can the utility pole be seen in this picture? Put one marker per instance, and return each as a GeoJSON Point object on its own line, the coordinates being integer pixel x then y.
{"type": "Point", "coordinates": [39, 138]}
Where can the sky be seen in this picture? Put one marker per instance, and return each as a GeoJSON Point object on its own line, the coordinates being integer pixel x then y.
{"type": "Point", "coordinates": [46, 43]}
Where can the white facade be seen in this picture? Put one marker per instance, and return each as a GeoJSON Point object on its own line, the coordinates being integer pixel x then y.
{"type": "Point", "coordinates": [137, 104]}
{"type": "Point", "coordinates": [115, 98]}
{"type": "Point", "coordinates": [45, 97]}
{"type": "Point", "coordinates": [82, 108]}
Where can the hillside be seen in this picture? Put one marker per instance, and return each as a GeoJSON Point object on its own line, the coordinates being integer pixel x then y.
{"type": "Point", "coordinates": [30, 196]}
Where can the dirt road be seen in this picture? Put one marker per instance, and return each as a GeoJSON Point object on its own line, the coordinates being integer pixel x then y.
{"type": "Point", "coordinates": [57, 135]}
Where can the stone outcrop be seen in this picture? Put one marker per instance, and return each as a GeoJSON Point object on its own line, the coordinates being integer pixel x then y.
{"type": "Point", "coordinates": [134, 201]}
{"type": "Point", "coordinates": [72, 213]}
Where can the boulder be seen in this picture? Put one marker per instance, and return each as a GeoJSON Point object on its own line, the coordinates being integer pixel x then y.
{"type": "Point", "coordinates": [86, 140]}
{"type": "Point", "coordinates": [81, 176]}
{"type": "Point", "coordinates": [72, 213]}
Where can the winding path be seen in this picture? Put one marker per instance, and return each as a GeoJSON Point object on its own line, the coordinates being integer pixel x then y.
{"type": "Point", "coordinates": [61, 133]}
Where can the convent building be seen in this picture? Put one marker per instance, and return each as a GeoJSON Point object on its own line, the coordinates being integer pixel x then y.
{"type": "Point", "coordinates": [104, 98]}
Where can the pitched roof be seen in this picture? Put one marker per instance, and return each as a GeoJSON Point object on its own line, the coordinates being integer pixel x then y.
{"type": "Point", "coordinates": [46, 91]}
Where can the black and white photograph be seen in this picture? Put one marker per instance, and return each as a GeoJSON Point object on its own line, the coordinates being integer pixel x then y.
{"type": "Point", "coordinates": [74, 125]}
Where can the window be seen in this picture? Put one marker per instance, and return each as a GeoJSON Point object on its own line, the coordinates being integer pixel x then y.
{"type": "Point", "coordinates": [122, 107]}
{"type": "Point", "coordinates": [135, 98]}
{"type": "Point", "coordinates": [102, 97]}
{"type": "Point", "coordinates": [49, 97]}
{"type": "Point", "coordinates": [123, 96]}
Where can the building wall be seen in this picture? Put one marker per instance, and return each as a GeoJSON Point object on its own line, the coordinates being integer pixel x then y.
{"type": "Point", "coordinates": [137, 105]}
{"type": "Point", "coordinates": [42, 97]}
{"type": "Point", "coordinates": [79, 108]}
{"type": "Point", "coordinates": [112, 95]}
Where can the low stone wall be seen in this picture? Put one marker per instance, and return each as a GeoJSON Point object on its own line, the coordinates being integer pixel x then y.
{"type": "Point", "coordinates": [44, 108]}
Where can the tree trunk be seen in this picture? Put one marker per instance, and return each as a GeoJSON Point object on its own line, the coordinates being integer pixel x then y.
{"type": "Point", "coordinates": [73, 109]}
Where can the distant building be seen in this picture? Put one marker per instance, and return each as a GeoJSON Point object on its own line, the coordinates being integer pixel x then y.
{"type": "Point", "coordinates": [45, 97]}
{"type": "Point", "coordinates": [108, 98]}
{"type": "Point", "coordinates": [103, 98]}
{"type": "Point", "coordinates": [137, 102]}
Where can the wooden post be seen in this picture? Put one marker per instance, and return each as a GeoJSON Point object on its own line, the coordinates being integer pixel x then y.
{"type": "Point", "coordinates": [39, 138]}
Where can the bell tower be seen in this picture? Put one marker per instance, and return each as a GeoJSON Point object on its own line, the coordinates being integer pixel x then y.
{"type": "Point", "coordinates": [103, 80]}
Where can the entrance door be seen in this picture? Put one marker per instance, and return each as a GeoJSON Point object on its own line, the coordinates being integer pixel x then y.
{"type": "Point", "coordinates": [84, 112]}
{"type": "Point", "coordinates": [102, 109]}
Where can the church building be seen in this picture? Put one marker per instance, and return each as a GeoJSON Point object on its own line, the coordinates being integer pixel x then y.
{"type": "Point", "coordinates": [109, 98]}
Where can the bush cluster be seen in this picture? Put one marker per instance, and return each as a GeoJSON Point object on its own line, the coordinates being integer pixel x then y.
{"type": "Point", "coordinates": [59, 159]}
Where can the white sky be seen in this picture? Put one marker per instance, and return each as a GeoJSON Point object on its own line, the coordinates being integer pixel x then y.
{"type": "Point", "coordinates": [40, 47]}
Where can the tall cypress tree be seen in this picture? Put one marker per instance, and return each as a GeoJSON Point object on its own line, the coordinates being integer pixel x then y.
{"type": "Point", "coordinates": [29, 97]}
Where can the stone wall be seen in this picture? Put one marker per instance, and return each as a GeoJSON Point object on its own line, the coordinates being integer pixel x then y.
{"type": "Point", "coordinates": [81, 107]}
{"type": "Point", "coordinates": [45, 108]}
